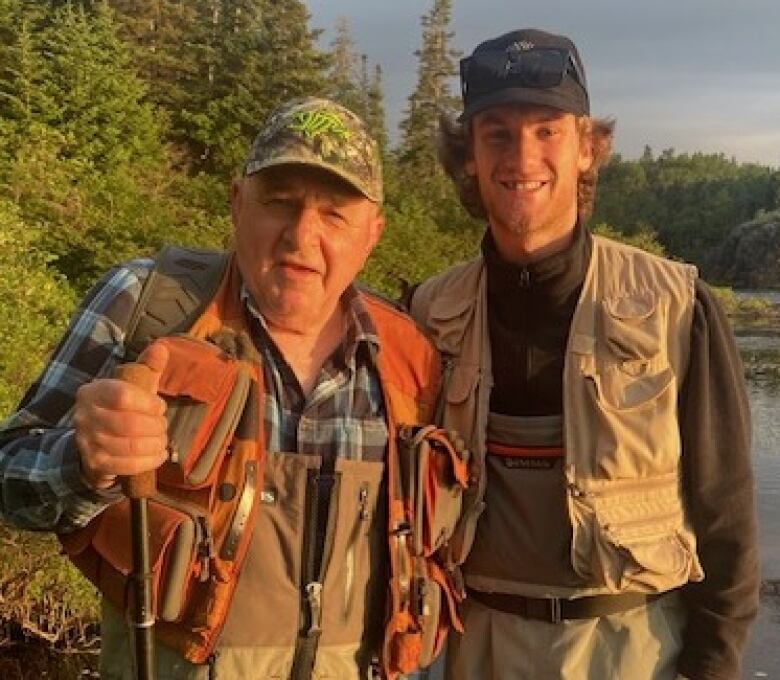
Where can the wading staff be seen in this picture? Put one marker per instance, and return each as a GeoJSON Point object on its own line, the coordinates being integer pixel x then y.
{"type": "Point", "coordinates": [138, 488]}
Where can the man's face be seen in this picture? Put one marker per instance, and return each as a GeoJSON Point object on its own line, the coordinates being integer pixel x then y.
{"type": "Point", "coordinates": [301, 236]}
{"type": "Point", "coordinates": [527, 160]}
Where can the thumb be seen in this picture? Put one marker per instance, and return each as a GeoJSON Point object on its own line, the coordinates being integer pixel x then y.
{"type": "Point", "coordinates": [155, 359]}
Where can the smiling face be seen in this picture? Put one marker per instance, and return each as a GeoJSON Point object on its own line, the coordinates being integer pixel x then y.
{"type": "Point", "coordinates": [527, 160]}
{"type": "Point", "coordinates": [301, 237]}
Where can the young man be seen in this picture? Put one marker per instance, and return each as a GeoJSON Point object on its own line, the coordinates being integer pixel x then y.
{"type": "Point", "coordinates": [602, 395]}
{"type": "Point", "coordinates": [298, 578]}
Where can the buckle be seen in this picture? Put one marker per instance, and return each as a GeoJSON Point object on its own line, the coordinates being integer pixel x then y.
{"type": "Point", "coordinates": [555, 610]}
{"type": "Point", "coordinates": [544, 609]}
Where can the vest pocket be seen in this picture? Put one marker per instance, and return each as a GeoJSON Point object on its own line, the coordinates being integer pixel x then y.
{"type": "Point", "coordinates": [636, 533]}
{"type": "Point", "coordinates": [206, 390]}
{"type": "Point", "coordinates": [434, 475]}
{"type": "Point", "coordinates": [634, 417]}
{"type": "Point", "coordinates": [176, 539]}
{"type": "Point", "coordinates": [354, 582]}
{"type": "Point", "coordinates": [632, 326]}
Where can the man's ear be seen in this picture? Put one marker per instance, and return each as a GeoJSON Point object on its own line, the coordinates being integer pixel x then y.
{"type": "Point", "coordinates": [377, 227]}
{"type": "Point", "coordinates": [585, 134]}
{"type": "Point", "coordinates": [236, 198]}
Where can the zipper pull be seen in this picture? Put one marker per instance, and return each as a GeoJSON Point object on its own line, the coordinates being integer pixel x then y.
{"type": "Point", "coordinates": [363, 502]}
{"type": "Point", "coordinates": [314, 598]}
{"type": "Point", "coordinates": [205, 550]}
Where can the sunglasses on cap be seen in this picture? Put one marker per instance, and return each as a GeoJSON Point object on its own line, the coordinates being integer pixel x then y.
{"type": "Point", "coordinates": [539, 67]}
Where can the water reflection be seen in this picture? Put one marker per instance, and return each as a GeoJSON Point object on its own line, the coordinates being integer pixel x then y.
{"type": "Point", "coordinates": [761, 353]}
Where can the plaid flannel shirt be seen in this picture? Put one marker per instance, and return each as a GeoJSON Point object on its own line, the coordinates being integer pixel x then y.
{"type": "Point", "coordinates": [41, 486]}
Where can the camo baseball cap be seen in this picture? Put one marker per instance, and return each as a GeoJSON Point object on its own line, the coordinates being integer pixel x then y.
{"type": "Point", "coordinates": [320, 133]}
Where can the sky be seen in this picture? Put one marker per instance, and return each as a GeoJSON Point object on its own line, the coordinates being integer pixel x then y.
{"type": "Point", "coordinates": [692, 75]}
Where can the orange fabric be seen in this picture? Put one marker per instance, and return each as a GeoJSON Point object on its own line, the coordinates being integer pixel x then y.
{"type": "Point", "coordinates": [204, 374]}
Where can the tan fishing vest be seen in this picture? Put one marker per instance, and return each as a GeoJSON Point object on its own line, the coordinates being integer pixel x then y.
{"type": "Point", "coordinates": [626, 357]}
{"type": "Point", "coordinates": [375, 592]}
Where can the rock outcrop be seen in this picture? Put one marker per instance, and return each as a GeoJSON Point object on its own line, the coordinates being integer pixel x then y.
{"type": "Point", "coordinates": [750, 255]}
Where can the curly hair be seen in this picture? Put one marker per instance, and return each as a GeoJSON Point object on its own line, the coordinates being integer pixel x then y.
{"type": "Point", "coordinates": [454, 144]}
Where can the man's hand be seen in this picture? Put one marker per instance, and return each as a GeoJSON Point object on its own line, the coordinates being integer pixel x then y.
{"type": "Point", "coordinates": [121, 428]}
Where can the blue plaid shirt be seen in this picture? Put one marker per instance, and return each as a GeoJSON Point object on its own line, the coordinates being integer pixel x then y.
{"type": "Point", "coordinates": [42, 486]}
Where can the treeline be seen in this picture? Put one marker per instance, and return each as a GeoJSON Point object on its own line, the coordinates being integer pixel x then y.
{"type": "Point", "coordinates": [689, 201]}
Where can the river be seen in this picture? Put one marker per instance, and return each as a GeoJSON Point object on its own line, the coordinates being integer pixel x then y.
{"type": "Point", "coordinates": [763, 655]}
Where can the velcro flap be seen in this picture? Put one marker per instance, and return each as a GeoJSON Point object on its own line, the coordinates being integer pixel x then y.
{"type": "Point", "coordinates": [195, 369]}
{"type": "Point", "coordinates": [206, 390]}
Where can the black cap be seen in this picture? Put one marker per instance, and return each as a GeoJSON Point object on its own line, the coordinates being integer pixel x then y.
{"type": "Point", "coordinates": [527, 66]}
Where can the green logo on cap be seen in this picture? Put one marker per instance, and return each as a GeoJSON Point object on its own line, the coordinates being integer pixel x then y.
{"type": "Point", "coordinates": [314, 124]}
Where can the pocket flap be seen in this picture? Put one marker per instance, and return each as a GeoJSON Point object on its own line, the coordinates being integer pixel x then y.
{"type": "Point", "coordinates": [197, 370]}
{"type": "Point", "coordinates": [631, 307]}
{"type": "Point", "coordinates": [206, 390]}
{"type": "Point", "coordinates": [632, 326]}
{"type": "Point", "coordinates": [113, 536]}
{"type": "Point", "coordinates": [462, 382]}
{"type": "Point", "coordinates": [173, 539]}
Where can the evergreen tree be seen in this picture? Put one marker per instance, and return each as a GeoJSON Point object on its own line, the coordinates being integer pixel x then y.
{"type": "Point", "coordinates": [81, 150]}
{"type": "Point", "coordinates": [167, 37]}
{"type": "Point", "coordinates": [254, 55]}
{"type": "Point", "coordinates": [351, 85]}
{"type": "Point", "coordinates": [437, 65]}
{"type": "Point", "coordinates": [292, 65]}
{"type": "Point", "coordinates": [375, 108]}
{"type": "Point", "coordinates": [345, 86]}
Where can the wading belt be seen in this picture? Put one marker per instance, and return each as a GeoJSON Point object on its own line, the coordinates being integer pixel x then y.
{"type": "Point", "coordinates": [555, 609]}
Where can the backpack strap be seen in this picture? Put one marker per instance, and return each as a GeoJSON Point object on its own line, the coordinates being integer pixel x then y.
{"type": "Point", "coordinates": [174, 295]}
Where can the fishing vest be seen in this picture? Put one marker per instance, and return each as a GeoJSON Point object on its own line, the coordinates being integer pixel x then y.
{"type": "Point", "coordinates": [626, 356]}
{"type": "Point", "coordinates": [233, 526]}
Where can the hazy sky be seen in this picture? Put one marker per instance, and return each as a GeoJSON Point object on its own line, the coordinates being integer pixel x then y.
{"type": "Point", "coordinates": [695, 75]}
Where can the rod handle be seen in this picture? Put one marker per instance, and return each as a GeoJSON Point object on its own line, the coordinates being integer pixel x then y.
{"type": "Point", "coordinates": [144, 484]}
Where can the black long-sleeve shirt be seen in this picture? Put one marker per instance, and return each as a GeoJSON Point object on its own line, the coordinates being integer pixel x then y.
{"type": "Point", "coordinates": [530, 311]}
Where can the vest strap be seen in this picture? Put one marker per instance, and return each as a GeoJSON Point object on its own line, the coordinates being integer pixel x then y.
{"type": "Point", "coordinates": [555, 609]}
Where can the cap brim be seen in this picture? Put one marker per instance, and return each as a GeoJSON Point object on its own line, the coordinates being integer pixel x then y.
{"type": "Point", "coordinates": [525, 95]}
{"type": "Point", "coordinates": [334, 170]}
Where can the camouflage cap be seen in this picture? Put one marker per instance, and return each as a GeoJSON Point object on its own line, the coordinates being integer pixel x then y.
{"type": "Point", "coordinates": [323, 134]}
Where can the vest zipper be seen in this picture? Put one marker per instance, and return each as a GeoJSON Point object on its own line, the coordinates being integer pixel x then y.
{"type": "Point", "coordinates": [612, 527]}
{"type": "Point", "coordinates": [320, 519]}
{"type": "Point", "coordinates": [363, 516]}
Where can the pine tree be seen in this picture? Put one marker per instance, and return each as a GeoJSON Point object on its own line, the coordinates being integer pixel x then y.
{"type": "Point", "coordinates": [166, 37]}
{"type": "Point", "coordinates": [344, 84]}
{"type": "Point", "coordinates": [293, 66]}
{"type": "Point", "coordinates": [375, 113]}
{"type": "Point", "coordinates": [89, 74]}
{"type": "Point", "coordinates": [251, 55]}
{"type": "Point", "coordinates": [432, 96]}
{"type": "Point", "coordinates": [79, 143]}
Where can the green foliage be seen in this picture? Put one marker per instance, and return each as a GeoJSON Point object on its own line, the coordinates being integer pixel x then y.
{"type": "Point", "coordinates": [689, 201]}
{"type": "Point", "coordinates": [744, 308]}
{"type": "Point", "coordinates": [644, 238]}
{"type": "Point", "coordinates": [432, 97]}
{"type": "Point", "coordinates": [34, 304]}
{"type": "Point", "coordinates": [414, 248]}
{"type": "Point", "coordinates": [350, 84]}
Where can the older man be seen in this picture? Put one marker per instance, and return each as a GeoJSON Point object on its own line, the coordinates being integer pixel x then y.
{"type": "Point", "coordinates": [279, 529]}
{"type": "Point", "coordinates": [601, 392]}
